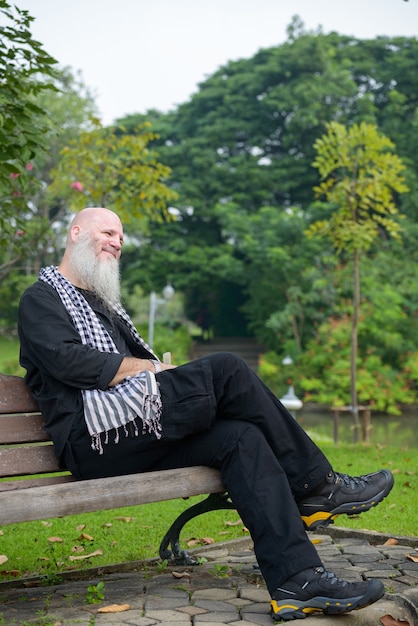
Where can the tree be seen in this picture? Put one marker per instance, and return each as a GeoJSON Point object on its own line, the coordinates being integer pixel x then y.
{"type": "Point", "coordinates": [103, 167]}
{"type": "Point", "coordinates": [70, 108]}
{"type": "Point", "coordinates": [360, 173]}
{"type": "Point", "coordinates": [25, 71]}
{"type": "Point", "coordinates": [285, 275]}
{"type": "Point", "coordinates": [245, 141]}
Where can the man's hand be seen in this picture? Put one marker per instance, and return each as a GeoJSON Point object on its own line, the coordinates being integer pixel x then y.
{"type": "Point", "coordinates": [131, 366]}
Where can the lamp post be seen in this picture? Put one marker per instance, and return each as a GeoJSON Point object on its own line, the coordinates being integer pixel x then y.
{"type": "Point", "coordinates": [290, 399]}
{"type": "Point", "coordinates": [154, 301]}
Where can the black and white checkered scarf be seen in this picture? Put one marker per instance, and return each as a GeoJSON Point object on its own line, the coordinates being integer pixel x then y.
{"type": "Point", "coordinates": [122, 404]}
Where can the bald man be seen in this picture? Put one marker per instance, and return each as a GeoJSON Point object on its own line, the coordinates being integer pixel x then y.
{"type": "Point", "coordinates": [111, 407]}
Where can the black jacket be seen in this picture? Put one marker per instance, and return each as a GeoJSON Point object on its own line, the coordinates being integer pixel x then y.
{"type": "Point", "coordinates": [58, 366]}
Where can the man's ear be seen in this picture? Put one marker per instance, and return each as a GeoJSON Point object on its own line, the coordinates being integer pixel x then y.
{"type": "Point", "coordinates": [75, 232]}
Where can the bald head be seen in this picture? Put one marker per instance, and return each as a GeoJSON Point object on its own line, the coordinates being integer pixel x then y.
{"type": "Point", "coordinates": [93, 217]}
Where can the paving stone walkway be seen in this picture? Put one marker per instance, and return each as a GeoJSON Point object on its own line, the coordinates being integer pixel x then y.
{"type": "Point", "coordinates": [226, 589]}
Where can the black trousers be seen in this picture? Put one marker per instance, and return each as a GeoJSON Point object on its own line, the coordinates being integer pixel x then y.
{"type": "Point", "coordinates": [217, 412]}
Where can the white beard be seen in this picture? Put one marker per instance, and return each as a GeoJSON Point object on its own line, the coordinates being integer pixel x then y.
{"type": "Point", "coordinates": [98, 275]}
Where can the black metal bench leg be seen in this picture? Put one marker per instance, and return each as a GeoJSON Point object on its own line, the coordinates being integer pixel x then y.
{"type": "Point", "coordinates": [176, 556]}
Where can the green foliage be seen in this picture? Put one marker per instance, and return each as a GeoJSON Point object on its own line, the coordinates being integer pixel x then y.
{"type": "Point", "coordinates": [175, 340]}
{"type": "Point", "coordinates": [240, 152]}
{"type": "Point", "coordinates": [162, 566]}
{"type": "Point", "coordinates": [25, 71]}
{"type": "Point", "coordinates": [118, 171]}
{"type": "Point", "coordinates": [244, 143]}
{"type": "Point", "coordinates": [324, 373]}
{"type": "Point", "coordinates": [39, 239]}
{"type": "Point", "coordinates": [286, 275]}
{"type": "Point", "coordinates": [95, 593]}
{"type": "Point", "coordinates": [10, 293]}
{"type": "Point", "coordinates": [275, 374]}
{"type": "Point", "coordinates": [171, 334]}
{"type": "Point", "coordinates": [359, 175]}
{"type": "Point", "coordinates": [411, 368]}
{"type": "Point", "coordinates": [220, 571]}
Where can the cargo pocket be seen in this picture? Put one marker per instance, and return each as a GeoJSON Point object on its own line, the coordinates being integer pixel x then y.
{"type": "Point", "coordinates": [189, 404]}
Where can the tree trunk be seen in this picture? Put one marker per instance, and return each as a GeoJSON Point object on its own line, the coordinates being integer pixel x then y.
{"type": "Point", "coordinates": [354, 345]}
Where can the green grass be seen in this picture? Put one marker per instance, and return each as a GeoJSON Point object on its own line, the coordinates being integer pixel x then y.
{"type": "Point", "coordinates": [9, 357]}
{"type": "Point", "coordinates": [397, 515]}
{"type": "Point", "coordinates": [132, 533]}
{"type": "Point", "coordinates": [135, 533]}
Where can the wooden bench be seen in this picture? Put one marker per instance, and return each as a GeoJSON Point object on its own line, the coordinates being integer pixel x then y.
{"type": "Point", "coordinates": [29, 492]}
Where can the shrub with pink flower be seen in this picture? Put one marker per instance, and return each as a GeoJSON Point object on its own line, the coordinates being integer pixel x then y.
{"type": "Point", "coordinates": [77, 185]}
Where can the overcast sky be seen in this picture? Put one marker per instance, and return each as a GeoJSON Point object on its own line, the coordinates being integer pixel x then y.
{"type": "Point", "coordinates": [136, 55]}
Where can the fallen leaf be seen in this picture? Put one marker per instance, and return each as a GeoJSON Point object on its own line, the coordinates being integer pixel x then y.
{"type": "Point", "coordinates": [181, 574]}
{"type": "Point", "coordinates": [125, 519]}
{"type": "Point", "coordinates": [199, 542]}
{"type": "Point", "coordinates": [77, 549]}
{"type": "Point", "coordinates": [11, 572]}
{"type": "Point", "coordinates": [48, 524]}
{"type": "Point", "coordinates": [208, 541]}
{"type": "Point", "coordinates": [237, 523]}
{"type": "Point", "coordinates": [108, 525]}
{"type": "Point", "coordinates": [245, 529]}
{"type": "Point", "coordinates": [43, 558]}
{"type": "Point", "coordinates": [1, 532]}
{"type": "Point", "coordinates": [3, 559]}
{"type": "Point", "coordinates": [86, 556]}
{"type": "Point", "coordinates": [80, 527]}
{"type": "Point", "coordinates": [114, 608]}
{"type": "Point", "coordinates": [55, 539]}
{"type": "Point", "coordinates": [86, 537]}
{"type": "Point", "coordinates": [388, 620]}
{"type": "Point", "coordinates": [391, 542]}
{"type": "Point", "coordinates": [193, 542]}
{"type": "Point", "coordinates": [223, 532]}
{"type": "Point", "coordinates": [412, 557]}
{"type": "Point", "coordinates": [316, 541]}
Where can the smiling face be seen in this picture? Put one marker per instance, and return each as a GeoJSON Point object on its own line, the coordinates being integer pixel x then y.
{"type": "Point", "coordinates": [105, 232]}
{"type": "Point", "coordinates": [93, 252]}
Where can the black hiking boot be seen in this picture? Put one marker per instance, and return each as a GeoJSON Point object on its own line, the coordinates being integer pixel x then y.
{"type": "Point", "coordinates": [315, 590]}
{"type": "Point", "coordinates": [340, 493]}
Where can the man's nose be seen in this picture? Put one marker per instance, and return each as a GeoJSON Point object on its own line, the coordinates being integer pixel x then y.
{"type": "Point", "coordinates": [116, 243]}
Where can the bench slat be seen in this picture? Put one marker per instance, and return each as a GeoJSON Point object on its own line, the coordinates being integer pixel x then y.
{"type": "Point", "coordinates": [15, 396]}
{"type": "Point", "coordinates": [101, 494]}
{"type": "Point", "coordinates": [20, 461]}
{"type": "Point", "coordinates": [22, 428]}
{"type": "Point", "coordinates": [13, 485]}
